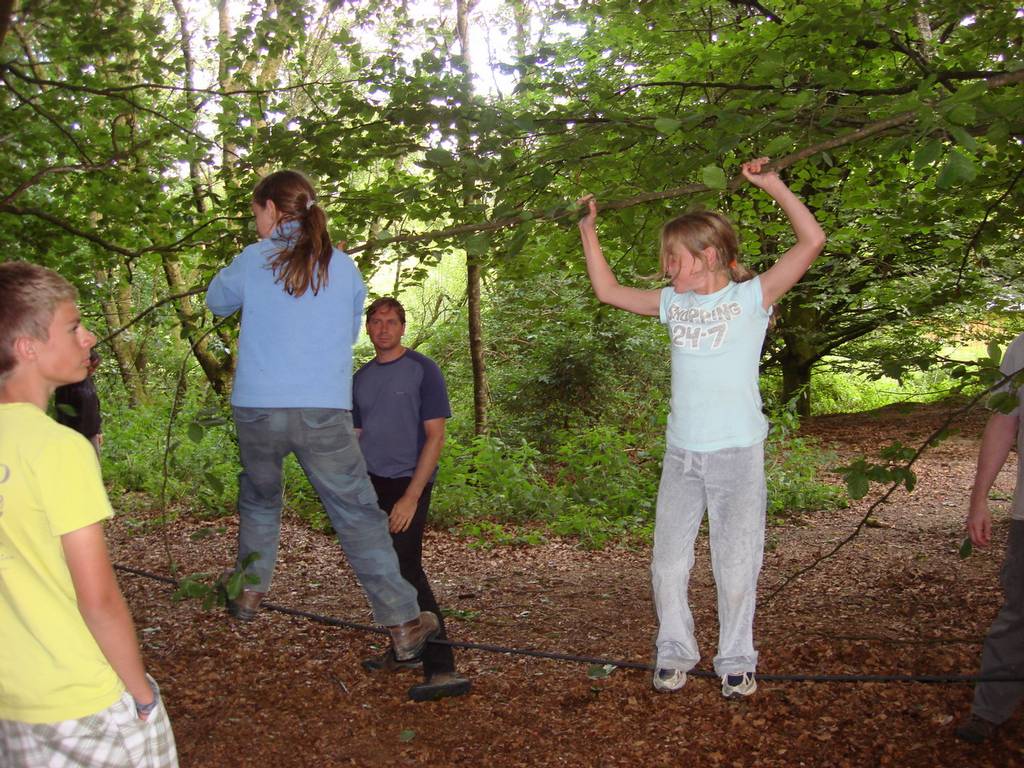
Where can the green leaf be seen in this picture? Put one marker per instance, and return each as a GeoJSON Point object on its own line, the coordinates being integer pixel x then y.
{"type": "Point", "coordinates": [961, 114]}
{"type": "Point", "coordinates": [667, 125]}
{"type": "Point", "coordinates": [524, 123]}
{"type": "Point", "coordinates": [959, 168]}
{"type": "Point", "coordinates": [963, 138]}
{"type": "Point", "coordinates": [478, 244]}
{"type": "Point", "coordinates": [927, 154]}
{"type": "Point", "coordinates": [541, 178]}
{"type": "Point", "coordinates": [1002, 402]}
{"type": "Point", "coordinates": [600, 671]}
{"type": "Point", "coordinates": [440, 157]}
{"type": "Point", "coordinates": [714, 177]}
{"type": "Point", "coordinates": [214, 483]}
{"type": "Point", "coordinates": [779, 145]}
{"type": "Point", "coordinates": [994, 351]}
{"type": "Point", "coordinates": [857, 485]}
{"type": "Point", "coordinates": [998, 133]}
{"type": "Point", "coordinates": [966, 548]}
{"type": "Point", "coordinates": [407, 735]}
{"type": "Point", "coordinates": [196, 432]}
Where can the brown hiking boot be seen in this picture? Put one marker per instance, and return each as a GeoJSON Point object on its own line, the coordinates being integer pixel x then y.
{"type": "Point", "coordinates": [440, 686]}
{"type": "Point", "coordinates": [387, 662]}
{"type": "Point", "coordinates": [976, 730]}
{"type": "Point", "coordinates": [243, 607]}
{"type": "Point", "coordinates": [409, 638]}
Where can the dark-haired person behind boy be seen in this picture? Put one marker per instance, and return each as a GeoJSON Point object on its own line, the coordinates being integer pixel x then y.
{"type": "Point", "coordinates": [400, 404]}
{"type": "Point", "coordinates": [78, 406]}
{"type": "Point", "coordinates": [73, 689]}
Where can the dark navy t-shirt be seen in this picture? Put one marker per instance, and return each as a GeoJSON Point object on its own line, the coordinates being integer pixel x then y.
{"type": "Point", "coordinates": [390, 402]}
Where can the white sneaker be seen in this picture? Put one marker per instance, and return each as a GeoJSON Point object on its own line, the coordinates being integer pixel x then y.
{"type": "Point", "coordinates": [735, 686]}
{"type": "Point", "coordinates": [667, 680]}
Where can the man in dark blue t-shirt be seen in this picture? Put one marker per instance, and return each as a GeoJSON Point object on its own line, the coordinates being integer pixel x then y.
{"type": "Point", "coordinates": [399, 407]}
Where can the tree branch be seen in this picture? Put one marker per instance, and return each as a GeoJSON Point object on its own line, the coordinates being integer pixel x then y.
{"type": "Point", "coordinates": [129, 253]}
{"type": "Point", "coordinates": [52, 171]}
{"type": "Point", "coordinates": [754, 5]}
{"type": "Point", "coordinates": [117, 91]}
{"type": "Point", "coordinates": [113, 93]}
{"type": "Point", "coordinates": [152, 308]}
{"type": "Point", "coordinates": [896, 90]}
{"type": "Point", "coordinates": [973, 242]}
{"type": "Point", "coordinates": [931, 439]}
{"type": "Point", "coordinates": [872, 129]}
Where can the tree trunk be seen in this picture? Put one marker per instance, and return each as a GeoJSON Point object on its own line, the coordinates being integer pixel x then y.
{"type": "Point", "coordinates": [473, 281]}
{"type": "Point", "coordinates": [6, 9]}
{"type": "Point", "coordinates": [116, 302]}
{"type": "Point", "coordinates": [796, 383]}
{"type": "Point", "coordinates": [798, 354]}
{"type": "Point", "coordinates": [218, 373]}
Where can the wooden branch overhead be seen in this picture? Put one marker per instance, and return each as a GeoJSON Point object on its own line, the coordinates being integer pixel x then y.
{"type": "Point", "coordinates": [873, 129]}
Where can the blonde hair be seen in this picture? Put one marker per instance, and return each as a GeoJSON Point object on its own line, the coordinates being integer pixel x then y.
{"type": "Point", "coordinates": [698, 231]}
{"type": "Point", "coordinates": [304, 261]}
{"type": "Point", "coordinates": [31, 294]}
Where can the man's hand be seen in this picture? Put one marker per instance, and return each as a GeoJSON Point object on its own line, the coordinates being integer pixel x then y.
{"type": "Point", "coordinates": [400, 517]}
{"type": "Point", "coordinates": [979, 524]}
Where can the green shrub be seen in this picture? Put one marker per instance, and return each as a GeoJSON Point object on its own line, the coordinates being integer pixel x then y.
{"type": "Point", "coordinates": [195, 465]}
{"type": "Point", "coordinates": [793, 469]}
{"type": "Point", "coordinates": [486, 479]}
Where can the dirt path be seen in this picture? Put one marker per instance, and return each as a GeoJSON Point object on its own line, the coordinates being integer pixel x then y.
{"type": "Point", "coordinates": [285, 691]}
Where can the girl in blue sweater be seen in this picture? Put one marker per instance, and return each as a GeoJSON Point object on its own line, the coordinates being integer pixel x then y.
{"type": "Point", "coordinates": [301, 302]}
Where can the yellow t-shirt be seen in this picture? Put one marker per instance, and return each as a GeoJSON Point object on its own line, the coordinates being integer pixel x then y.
{"type": "Point", "coordinates": [50, 666]}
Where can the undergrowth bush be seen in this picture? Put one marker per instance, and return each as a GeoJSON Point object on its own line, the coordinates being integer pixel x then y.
{"type": "Point", "coordinates": [193, 468]}
{"type": "Point", "coordinates": [599, 485]}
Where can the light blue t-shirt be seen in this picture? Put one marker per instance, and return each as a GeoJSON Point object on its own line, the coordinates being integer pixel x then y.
{"type": "Point", "coordinates": [716, 341]}
{"type": "Point", "coordinates": [293, 351]}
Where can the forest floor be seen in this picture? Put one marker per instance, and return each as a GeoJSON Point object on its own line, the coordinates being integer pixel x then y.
{"type": "Point", "coordinates": [287, 691]}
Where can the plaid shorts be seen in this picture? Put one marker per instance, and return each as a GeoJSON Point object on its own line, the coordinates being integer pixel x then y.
{"type": "Point", "coordinates": [112, 738]}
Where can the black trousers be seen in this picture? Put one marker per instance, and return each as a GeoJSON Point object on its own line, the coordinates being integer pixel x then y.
{"type": "Point", "coordinates": [409, 548]}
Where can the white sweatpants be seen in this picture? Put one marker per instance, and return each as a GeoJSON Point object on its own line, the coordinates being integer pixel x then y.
{"type": "Point", "coordinates": [730, 485]}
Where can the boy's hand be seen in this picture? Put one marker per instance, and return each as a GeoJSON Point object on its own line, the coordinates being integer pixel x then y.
{"type": "Point", "coordinates": [591, 216]}
{"type": "Point", "coordinates": [752, 173]}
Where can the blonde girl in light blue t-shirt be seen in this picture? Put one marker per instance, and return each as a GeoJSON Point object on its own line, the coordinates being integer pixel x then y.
{"type": "Point", "coordinates": [717, 313]}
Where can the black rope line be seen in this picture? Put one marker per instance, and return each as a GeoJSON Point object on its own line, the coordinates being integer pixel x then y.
{"type": "Point", "coordinates": [603, 661]}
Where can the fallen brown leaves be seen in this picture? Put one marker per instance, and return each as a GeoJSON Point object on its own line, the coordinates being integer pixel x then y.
{"type": "Point", "coordinates": [289, 692]}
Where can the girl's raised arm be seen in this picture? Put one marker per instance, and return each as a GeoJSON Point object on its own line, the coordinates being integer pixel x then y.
{"type": "Point", "coordinates": [606, 287]}
{"type": "Point", "coordinates": [810, 238]}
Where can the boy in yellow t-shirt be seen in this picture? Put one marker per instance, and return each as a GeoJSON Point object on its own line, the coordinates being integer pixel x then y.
{"type": "Point", "coordinates": [73, 690]}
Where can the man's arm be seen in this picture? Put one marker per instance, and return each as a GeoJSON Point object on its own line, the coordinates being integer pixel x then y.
{"type": "Point", "coordinates": [103, 607]}
{"type": "Point", "coordinates": [405, 508]}
{"type": "Point", "coordinates": [996, 442]}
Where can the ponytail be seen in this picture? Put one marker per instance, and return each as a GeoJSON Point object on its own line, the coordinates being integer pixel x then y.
{"type": "Point", "coordinates": [303, 262]}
